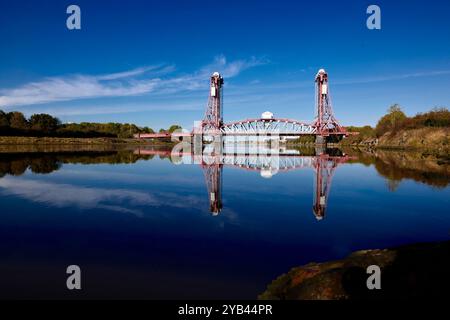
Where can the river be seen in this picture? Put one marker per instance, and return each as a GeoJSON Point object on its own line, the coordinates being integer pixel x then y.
{"type": "Point", "coordinates": [144, 223]}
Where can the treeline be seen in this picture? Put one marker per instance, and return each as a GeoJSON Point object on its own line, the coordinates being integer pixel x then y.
{"type": "Point", "coordinates": [43, 163]}
{"type": "Point", "coordinates": [44, 125]}
{"type": "Point", "coordinates": [396, 120]}
{"type": "Point", "coordinates": [397, 166]}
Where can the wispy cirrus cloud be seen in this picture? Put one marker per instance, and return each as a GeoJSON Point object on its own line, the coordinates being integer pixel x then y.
{"type": "Point", "coordinates": [120, 200]}
{"type": "Point", "coordinates": [233, 68]}
{"type": "Point", "coordinates": [76, 87]}
{"type": "Point", "coordinates": [158, 79]}
{"type": "Point", "coordinates": [156, 70]}
{"type": "Point", "coordinates": [430, 73]}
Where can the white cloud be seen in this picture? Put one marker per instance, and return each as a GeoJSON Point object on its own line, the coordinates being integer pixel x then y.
{"type": "Point", "coordinates": [131, 73]}
{"type": "Point", "coordinates": [233, 68]}
{"type": "Point", "coordinates": [392, 77]}
{"type": "Point", "coordinates": [73, 88]}
{"type": "Point", "coordinates": [67, 195]}
{"type": "Point", "coordinates": [145, 80]}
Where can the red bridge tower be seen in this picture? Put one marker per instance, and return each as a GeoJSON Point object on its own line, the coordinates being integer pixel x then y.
{"type": "Point", "coordinates": [325, 123]}
{"type": "Point", "coordinates": [213, 120]}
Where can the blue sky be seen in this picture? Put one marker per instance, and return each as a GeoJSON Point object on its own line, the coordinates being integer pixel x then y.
{"type": "Point", "coordinates": [148, 62]}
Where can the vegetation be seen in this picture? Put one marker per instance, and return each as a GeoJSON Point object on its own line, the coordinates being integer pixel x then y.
{"type": "Point", "coordinates": [302, 140]}
{"type": "Point", "coordinates": [390, 122]}
{"type": "Point", "coordinates": [365, 133]}
{"type": "Point", "coordinates": [174, 128]}
{"type": "Point", "coordinates": [397, 129]}
{"type": "Point", "coordinates": [43, 163]}
{"type": "Point", "coordinates": [397, 166]}
{"type": "Point", "coordinates": [44, 125]}
{"type": "Point", "coordinates": [396, 120]}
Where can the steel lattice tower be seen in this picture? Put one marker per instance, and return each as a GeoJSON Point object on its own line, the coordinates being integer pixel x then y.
{"type": "Point", "coordinates": [325, 167]}
{"type": "Point", "coordinates": [213, 120]}
{"type": "Point", "coordinates": [325, 122]}
{"type": "Point", "coordinates": [213, 177]}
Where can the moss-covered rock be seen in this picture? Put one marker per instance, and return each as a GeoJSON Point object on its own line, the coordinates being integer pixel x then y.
{"type": "Point", "coordinates": [421, 270]}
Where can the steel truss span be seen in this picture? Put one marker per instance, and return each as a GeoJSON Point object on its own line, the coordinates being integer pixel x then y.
{"type": "Point", "coordinates": [267, 127]}
{"type": "Point", "coordinates": [261, 162]}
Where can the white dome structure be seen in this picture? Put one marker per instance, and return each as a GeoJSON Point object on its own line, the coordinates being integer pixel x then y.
{"type": "Point", "coordinates": [267, 115]}
{"type": "Point", "coordinates": [268, 173]}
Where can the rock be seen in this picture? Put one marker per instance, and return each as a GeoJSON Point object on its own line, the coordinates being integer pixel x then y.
{"type": "Point", "coordinates": [421, 270]}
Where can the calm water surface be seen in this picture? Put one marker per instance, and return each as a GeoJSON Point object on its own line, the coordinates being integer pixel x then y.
{"type": "Point", "coordinates": [140, 226]}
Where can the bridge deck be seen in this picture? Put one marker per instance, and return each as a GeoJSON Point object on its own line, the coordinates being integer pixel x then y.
{"type": "Point", "coordinates": [252, 127]}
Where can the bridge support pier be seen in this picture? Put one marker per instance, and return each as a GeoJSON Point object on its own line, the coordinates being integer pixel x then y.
{"type": "Point", "coordinates": [218, 141]}
{"type": "Point", "coordinates": [321, 140]}
{"type": "Point", "coordinates": [197, 141]}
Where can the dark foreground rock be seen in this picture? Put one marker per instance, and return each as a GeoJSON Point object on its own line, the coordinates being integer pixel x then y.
{"type": "Point", "coordinates": [414, 271]}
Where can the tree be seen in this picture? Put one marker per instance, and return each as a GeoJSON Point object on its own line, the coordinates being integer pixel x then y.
{"type": "Point", "coordinates": [128, 130]}
{"type": "Point", "coordinates": [44, 123]}
{"type": "Point", "coordinates": [395, 115]}
{"type": "Point", "coordinates": [17, 120]}
{"type": "Point", "coordinates": [391, 121]}
{"type": "Point", "coordinates": [3, 120]}
{"type": "Point", "coordinates": [148, 130]}
{"type": "Point", "coordinates": [438, 117]}
{"type": "Point", "coordinates": [44, 165]}
{"type": "Point", "coordinates": [15, 123]}
{"type": "Point", "coordinates": [394, 108]}
{"type": "Point", "coordinates": [174, 127]}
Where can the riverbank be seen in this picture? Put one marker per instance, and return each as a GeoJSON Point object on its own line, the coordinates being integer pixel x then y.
{"type": "Point", "coordinates": [411, 271]}
{"type": "Point", "coordinates": [52, 144]}
{"type": "Point", "coordinates": [433, 141]}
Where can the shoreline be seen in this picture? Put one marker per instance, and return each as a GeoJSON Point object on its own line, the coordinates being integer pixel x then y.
{"type": "Point", "coordinates": [12, 143]}
{"type": "Point", "coordinates": [7, 140]}
{"type": "Point", "coordinates": [438, 154]}
{"type": "Point", "coordinates": [433, 141]}
{"type": "Point", "coordinates": [56, 144]}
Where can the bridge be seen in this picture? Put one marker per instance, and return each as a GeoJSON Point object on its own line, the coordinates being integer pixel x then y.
{"type": "Point", "coordinates": [325, 125]}
{"type": "Point", "coordinates": [324, 166]}
{"type": "Point", "coordinates": [212, 157]}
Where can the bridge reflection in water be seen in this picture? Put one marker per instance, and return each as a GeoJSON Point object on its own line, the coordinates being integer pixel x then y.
{"type": "Point", "coordinates": [264, 160]}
